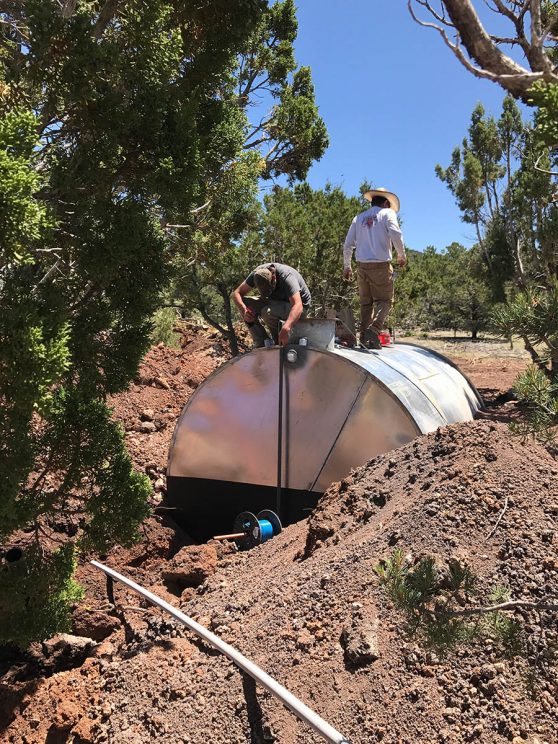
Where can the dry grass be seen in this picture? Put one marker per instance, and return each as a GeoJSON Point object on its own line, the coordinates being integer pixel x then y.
{"type": "Point", "coordinates": [462, 346]}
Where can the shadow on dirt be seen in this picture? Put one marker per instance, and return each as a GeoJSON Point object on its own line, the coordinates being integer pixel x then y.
{"type": "Point", "coordinates": [499, 406]}
{"type": "Point", "coordinates": [19, 676]}
{"type": "Point", "coordinates": [259, 734]}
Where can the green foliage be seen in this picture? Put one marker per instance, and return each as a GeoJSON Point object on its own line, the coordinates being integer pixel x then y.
{"type": "Point", "coordinates": [539, 395]}
{"type": "Point", "coordinates": [507, 191]}
{"type": "Point", "coordinates": [38, 593]}
{"type": "Point", "coordinates": [22, 218]}
{"type": "Point", "coordinates": [164, 322]}
{"type": "Point", "coordinates": [533, 314]}
{"type": "Point", "coordinates": [432, 599]}
{"type": "Point", "coordinates": [392, 574]}
{"type": "Point", "coordinates": [483, 177]}
{"type": "Point", "coordinates": [504, 627]}
{"type": "Point", "coordinates": [213, 254]}
{"type": "Point", "coordinates": [545, 96]}
{"type": "Point", "coordinates": [113, 123]}
{"type": "Point", "coordinates": [305, 228]}
{"type": "Point", "coordinates": [445, 290]}
{"type": "Point", "coordinates": [301, 134]}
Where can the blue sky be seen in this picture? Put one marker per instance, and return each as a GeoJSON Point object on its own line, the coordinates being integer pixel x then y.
{"type": "Point", "coordinates": [419, 103]}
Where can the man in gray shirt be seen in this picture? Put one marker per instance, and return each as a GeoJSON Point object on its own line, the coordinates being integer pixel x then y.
{"type": "Point", "coordinates": [283, 296]}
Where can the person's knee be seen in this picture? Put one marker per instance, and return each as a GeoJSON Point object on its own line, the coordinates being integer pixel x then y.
{"type": "Point", "coordinates": [267, 315]}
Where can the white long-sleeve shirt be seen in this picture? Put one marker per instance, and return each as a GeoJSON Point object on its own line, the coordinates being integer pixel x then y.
{"type": "Point", "coordinates": [373, 232]}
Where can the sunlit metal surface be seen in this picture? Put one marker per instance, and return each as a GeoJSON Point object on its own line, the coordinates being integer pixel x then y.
{"type": "Point", "coordinates": [341, 407]}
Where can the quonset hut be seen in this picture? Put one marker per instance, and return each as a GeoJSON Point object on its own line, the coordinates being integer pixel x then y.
{"type": "Point", "coordinates": [236, 449]}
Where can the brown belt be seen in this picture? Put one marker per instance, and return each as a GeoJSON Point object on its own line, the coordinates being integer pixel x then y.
{"type": "Point", "coordinates": [367, 264]}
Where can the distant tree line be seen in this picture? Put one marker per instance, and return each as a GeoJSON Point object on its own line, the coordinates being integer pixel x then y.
{"type": "Point", "coordinates": [451, 289]}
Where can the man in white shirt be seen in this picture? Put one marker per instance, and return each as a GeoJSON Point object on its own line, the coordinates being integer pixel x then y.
{"type": "Point", "coordinates": [373, 233]}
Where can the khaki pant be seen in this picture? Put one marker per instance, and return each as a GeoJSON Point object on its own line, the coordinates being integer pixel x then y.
{"type": "Point", "coordinates": [270, 312]}
{"type": "Point", "coordinates": [375, 289]}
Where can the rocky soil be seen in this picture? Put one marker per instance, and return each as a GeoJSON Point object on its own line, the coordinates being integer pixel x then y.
{"type": "Point", "coordinates": [308, 606]}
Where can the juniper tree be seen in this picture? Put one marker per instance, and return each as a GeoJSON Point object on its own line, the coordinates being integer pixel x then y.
{"type": "Point", "coordinates": [508, 178]}
{"type": "Point", "coordinates": [112, 124]}
{"type": "Point", "coordinates": [282, 134]}
{"type": "Point", "coordinates": [305, 228]}
{"type": "Point", "coordinates": [527, 230]}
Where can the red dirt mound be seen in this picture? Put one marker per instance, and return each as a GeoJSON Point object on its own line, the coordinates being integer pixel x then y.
{"type": "Point", "coordinates": [309, 608]}
{"type": "Point", "coordinates": [307, 605]}
{"type": "Point", "coordinates": [149, 409]}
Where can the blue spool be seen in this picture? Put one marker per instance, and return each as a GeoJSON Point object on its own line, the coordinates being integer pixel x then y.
{"type": "Point", "coordinates": [266, 528]}
{"type": "Point", "coordinates": [257, 530]}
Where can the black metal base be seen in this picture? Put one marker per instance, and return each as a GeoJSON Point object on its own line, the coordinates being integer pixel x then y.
{"type": "Point", "coordinates": [209, 507]}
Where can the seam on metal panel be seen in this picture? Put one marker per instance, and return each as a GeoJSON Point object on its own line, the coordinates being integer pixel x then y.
{"type": "Point", "coordinates": [424, 392]}
{"type": "Point", "coordinates": [357, 396]}
{"type": "Point", "coordinates": [454, 366]}
{"type": "Point", "coordinates": [384, 386]}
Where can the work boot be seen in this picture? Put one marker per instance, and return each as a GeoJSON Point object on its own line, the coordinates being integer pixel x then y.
{"type": "Point", "coordinates": [370, 339]}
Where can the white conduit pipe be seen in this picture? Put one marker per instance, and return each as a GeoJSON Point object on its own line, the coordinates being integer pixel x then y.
{"type": "Point", "coordinates": [300, 710]}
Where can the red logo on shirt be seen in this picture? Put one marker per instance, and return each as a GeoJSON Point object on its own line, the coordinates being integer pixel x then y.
{"type": "Point", "coordinates": [370, 222]}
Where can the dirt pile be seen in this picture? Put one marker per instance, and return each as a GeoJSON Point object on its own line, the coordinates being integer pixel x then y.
{"type": "Point", "coordinates": [167, 377]}
{"type": "Point", "coordinates": [324, 626]}
{"type": "Point", "coordinates": [309, 608]}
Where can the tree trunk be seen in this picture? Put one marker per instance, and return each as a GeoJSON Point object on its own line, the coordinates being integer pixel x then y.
{"type": "Point", "coordinates": [484, 51]}
{"type": "Point", "coordinates": [231, 333]}
{"type": "Point", "coordinates": [537, 361]}
{"type": "Point", "coordinates": [227, 333]}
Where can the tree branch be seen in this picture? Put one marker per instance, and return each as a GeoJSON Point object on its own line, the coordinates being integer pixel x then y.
{"type": "Point", "coordinates": [536, 54]}
{"type": "Point", "coordinates": [543, 170]}
{"type": "Point", "coordinates": [491, 63]}
{"type": "Point", "coordinates": [441, 18]}
{"type": "Point", "coordinates": [542, 604]}
{"type": "Point", "coordinates": [505, 11]}
{"type": "Point", "coordinates": [493, 530]}
{"type": "Point", "coordinates": [108, 11]}
{"type": "Point", "coordinates": [67, 8]}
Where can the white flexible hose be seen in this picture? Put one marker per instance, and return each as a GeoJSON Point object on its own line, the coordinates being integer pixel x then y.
{"type": "Point", "coordinates": [300, 710]}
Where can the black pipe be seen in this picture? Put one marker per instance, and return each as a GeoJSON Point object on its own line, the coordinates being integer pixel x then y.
{"type": "Point", "coordinates": [278, 499]}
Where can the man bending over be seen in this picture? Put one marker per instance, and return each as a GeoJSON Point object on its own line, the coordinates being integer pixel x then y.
{"type": "Point", "coordinates": [283, 296]}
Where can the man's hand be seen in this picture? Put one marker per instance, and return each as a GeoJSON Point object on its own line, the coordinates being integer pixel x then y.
{"type": "Point", "coordinates": [284, 335]}
{"type": "Point", "coordinates": [401, 260]}
{"type": "Point", "coordinates": [347, 274]}
{"type": "Point", "coordinates": [249, 315]}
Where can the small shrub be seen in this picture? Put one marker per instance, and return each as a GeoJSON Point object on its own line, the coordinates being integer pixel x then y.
{"type": "Point", "coordinates": [163, 323]}
{"type": "Point", "coordinates": [38, 593]}
{"type": "Point", "coordinates": [539, 395]}
{"type": "Point", "coordinates": [432, 599]}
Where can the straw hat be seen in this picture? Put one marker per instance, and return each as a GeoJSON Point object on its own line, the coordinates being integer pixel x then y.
{"type": "Point", "coordinates": [389, 195]}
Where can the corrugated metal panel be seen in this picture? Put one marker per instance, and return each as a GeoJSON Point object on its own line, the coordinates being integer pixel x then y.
{"type": "Point", "coordinates": [341, 408]}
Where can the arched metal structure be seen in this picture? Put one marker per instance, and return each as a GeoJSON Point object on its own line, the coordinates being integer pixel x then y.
{"type": "Point", "coordinates": [340, 408]}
